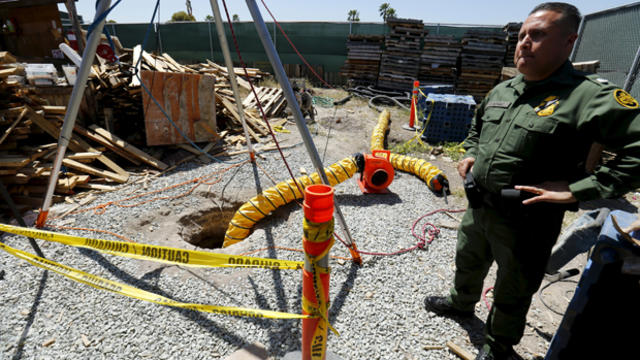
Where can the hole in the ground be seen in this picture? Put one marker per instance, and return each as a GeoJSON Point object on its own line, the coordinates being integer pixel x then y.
{"type": "Point", "coordinates": [206, 228]}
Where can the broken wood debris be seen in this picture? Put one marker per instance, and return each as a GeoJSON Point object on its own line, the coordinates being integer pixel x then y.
{"type": "Point", "coordinates": [30, 125]}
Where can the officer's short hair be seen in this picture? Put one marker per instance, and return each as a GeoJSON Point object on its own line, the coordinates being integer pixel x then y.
{"type": "Point", "coordinates": [570, 14]}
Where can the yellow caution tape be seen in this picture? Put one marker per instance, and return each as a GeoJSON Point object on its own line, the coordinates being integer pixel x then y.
{"type": "Point", "coordinates": [161, 254]}
{"type": "Point", "coordinates": [133, 292]}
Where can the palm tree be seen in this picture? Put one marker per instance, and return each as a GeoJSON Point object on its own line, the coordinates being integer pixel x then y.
{"type": "Point", "coordinates": [354, 15]}
{"type": "Point", "coordinates": [236, 18]}
{"type": "Point", "coordinates": [386, 11]}
{"type": "Point", "coordinates": [391, 13]}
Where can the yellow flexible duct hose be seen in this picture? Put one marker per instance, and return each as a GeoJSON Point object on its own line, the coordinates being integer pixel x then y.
{"type": "Point", "coordinates": [429, 173]}
{"type": "Point", "coordinates": [282, 193]}
{"type": "Point", "coordinates": [380, 131]}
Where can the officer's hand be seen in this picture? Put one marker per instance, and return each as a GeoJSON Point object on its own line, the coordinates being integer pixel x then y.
{"type": "Point", "coordinates": [548, 191]}
{"type": "Point", "coordinates": [465, 165]}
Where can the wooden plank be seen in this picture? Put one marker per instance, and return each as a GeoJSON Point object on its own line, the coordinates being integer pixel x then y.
{"type": "Point", "coordinates": [94, 186]}
{"type": "Point", "coordinates": [188, 99]}
{"type": "Point", "coordinates": [49, 109]}
{"type": "Point", "coordinates": [6, 58]}
{"type": "Point", "coordinates": [182, 68]}
{"type": "Point", "coordinates": [137, 52]}
{"type": "Point", "coordinates": [129, 148]}
{"type": "Point", "coordinates": [84, 156]}
{"type": "Point", "coordinates": [153, 63]}
{"type": "Point", "coordinates": [10, 71]}
{"type": "Point", "coordinates": [458, 350]}
{"type": "Point", "coordinates": [4, 172]}
{"type": "Point", "coordinates": [14, 161]}
{"type": "Point", "coordinates": [15, 123]}
{"type": "Point", "coordinates": [232, 110]}
{"type": "Point", "coordinates": [94, 171]}
{"type": "Point", "coordinates": [75, 143]}
{"type": "Point", "coordinates": [189, 148]}
{"type": "Point", "coordinates": [104, 142]}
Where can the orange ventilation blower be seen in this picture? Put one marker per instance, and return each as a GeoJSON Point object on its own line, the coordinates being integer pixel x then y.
{"type": "Point", "coordinates": [376, 172]}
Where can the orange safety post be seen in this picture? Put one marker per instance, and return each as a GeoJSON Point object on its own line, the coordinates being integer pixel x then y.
{"type": "Point", "coordinates": [317, 240]}
{"type": "Point", "coordinates": [414, 103]}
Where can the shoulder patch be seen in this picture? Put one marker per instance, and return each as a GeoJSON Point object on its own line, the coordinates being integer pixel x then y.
{"type": "Point", "coordinates": [625, 99]}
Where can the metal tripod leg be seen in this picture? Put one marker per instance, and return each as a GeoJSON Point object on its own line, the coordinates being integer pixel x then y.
{"type": "Point", "coordinates": [278, 70]}
{"type": "Point", "coordinates": [16, 214]}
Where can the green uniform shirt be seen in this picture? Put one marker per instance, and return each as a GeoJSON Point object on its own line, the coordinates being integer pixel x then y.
{"type": "Point", "coordinates": [525, 133]}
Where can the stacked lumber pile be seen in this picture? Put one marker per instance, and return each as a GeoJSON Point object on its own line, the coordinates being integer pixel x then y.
{"type": "Point", "coordinates": [95, 157]}
{"type": "Point", "coordinates": [482, 57]}
{"type": "Point", "coordinates": [511, 30]}
{"type": "Point", "coordinates": [28, 149]}
{"type": "Point", "coordinates": [29, 131]}
{"type": "Point", "coordinates": [363, 59]}
{"type": "Point", "coordinates": [119, 90]}
{"type": "Point", "coordinates": [439, 59]}
{"type": "Point", "coordinates": [401, 58]}
{"type": "Point", "coordinates": [271, 100]}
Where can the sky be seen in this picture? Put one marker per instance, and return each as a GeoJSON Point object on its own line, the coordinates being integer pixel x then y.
{"type": "Point", "coordinates": [486, 12]}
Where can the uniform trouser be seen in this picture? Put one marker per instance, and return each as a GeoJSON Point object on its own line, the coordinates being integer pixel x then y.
{"type": "Point", "coordinates": [520, 243]}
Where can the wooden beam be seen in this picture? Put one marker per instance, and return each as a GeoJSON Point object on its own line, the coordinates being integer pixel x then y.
{"type": "Point", "coordinates": [94, 171]}
{"type": "Point", "coordinates": [104, 142]}
{"type": "Point", "coordinates": [75, 143]}
{"type": "Point", "coordinates": [14, 161]}
{"type": "Point", "coordinates": [129, 148]}
{"type": "Point", "coordinates": [137, 52]}
{"type": "Point", "coordinates": [15, 123]}
{"type": "Point", "coordinates": [6, 58]}
{"type": "Point", "coordinates": [152, 62]}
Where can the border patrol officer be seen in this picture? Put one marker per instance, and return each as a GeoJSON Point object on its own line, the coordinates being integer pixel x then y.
{"type": "Point", "coordinates": [533, 133]}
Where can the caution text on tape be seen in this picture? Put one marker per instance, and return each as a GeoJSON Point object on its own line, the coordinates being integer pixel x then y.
{"type": "Point", "coordinates": [156, 253]}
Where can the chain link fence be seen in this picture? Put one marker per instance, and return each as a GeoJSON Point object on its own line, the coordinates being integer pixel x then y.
{"type": "Point", "coordinates": [613, 37]}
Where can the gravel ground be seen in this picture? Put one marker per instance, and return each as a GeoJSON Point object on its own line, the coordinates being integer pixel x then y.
{"type": "Point", "coordinates": [377, 308]}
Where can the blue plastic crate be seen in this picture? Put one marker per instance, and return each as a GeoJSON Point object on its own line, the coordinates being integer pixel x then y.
{"type": "Point", "coordinates": [449, 117]}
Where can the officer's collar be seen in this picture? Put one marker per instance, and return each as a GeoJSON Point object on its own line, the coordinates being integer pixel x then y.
{"type": "Point", "coordinates": [563, 75]}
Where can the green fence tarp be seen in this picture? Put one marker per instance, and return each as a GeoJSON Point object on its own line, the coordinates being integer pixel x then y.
{"type": "Point", "coordinates": [321, 43]}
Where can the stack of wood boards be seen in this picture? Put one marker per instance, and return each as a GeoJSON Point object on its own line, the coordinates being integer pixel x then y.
{"type": "Point", "coordinates": [439, 59]}
{"type": "Point", "coordinates": [401, 58]}
{"type": "Point", "coordinates": [28, 147]}
{"type": "Point", "coordinates": [511, 30]}
{"type": "Point", "coordinates": [119, 91]}
{"type": "Point", "coordinates": [482, 58]}
{"type": "Point", "coordinates": [363, 59]}
{"type": "Point", "coordinates": [271, 100]}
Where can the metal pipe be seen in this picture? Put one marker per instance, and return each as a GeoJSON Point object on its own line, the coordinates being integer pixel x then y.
{"type": "Point", "coordinates": [232, 74]}
{"type": "Point", "coordinates": [574, 51]}
{"type": "Point", "coordinates": [72, 108]}
{"type": "Point", "coordinates": [278, 70]}
{"type": "Point", "coordinates": [210, 40]}
{"type": "Point", "coordinates": [633, 72]}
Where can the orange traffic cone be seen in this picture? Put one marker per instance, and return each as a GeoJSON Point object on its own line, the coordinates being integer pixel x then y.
{"type": "Point", "coordinates": [412, 112]}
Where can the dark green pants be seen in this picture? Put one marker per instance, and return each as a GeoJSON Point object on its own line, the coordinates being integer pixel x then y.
{"type": "Point", "coordinates": [520, 243]}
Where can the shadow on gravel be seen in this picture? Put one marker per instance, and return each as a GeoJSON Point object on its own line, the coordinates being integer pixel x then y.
{"type": "Point", "coordinates": [148, 284]}
{"type": "Point", "coordinates": [345, 289]}
{"type": "Point", "coordinates": [367, 199]}
{"type": "Point", "coordinates": [32, 314]}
